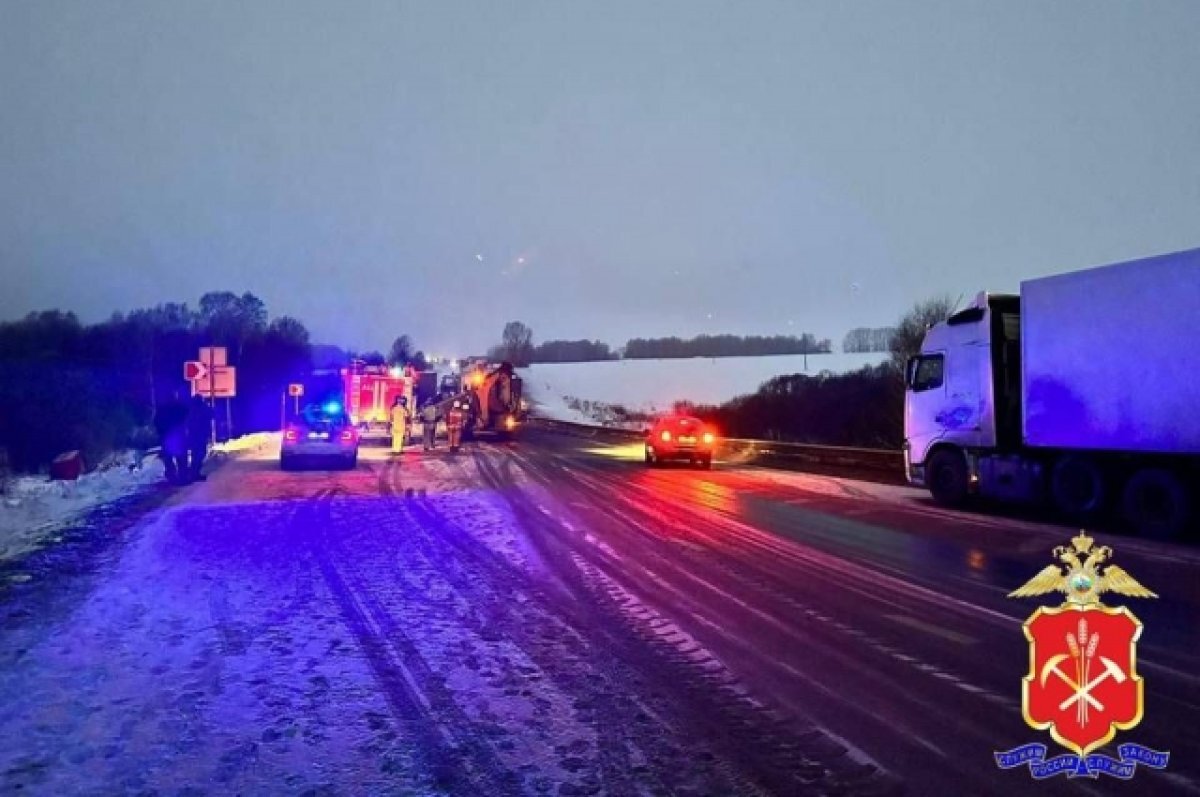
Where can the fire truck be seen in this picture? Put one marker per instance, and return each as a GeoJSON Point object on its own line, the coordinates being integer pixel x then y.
{"type": "Point", "coordinates": [370, 392]}
{"type": "Point", "coordinates": [493, 397]}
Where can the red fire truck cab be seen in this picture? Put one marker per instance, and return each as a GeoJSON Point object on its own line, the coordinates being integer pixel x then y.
{"type": "Point", "coordinates": [370, 392]}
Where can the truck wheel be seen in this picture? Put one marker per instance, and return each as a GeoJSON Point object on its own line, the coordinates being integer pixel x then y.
{"type": "Point", "coordinates": [948, 478]}
{"type": "Point", "coordinates": [1155, 503]}
{"type": "Point", "coordinates": [1078, 487]}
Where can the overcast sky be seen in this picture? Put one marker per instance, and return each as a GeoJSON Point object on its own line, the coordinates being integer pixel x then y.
{"type": "Point", "coordinates": [603, 170]}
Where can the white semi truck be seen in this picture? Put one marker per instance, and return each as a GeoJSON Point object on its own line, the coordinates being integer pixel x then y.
{"type": "Point", "coordinates": [1082, 392]}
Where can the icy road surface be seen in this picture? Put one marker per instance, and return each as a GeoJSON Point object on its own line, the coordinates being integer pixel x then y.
{"type": "Point", "coordinates": [546, 617]}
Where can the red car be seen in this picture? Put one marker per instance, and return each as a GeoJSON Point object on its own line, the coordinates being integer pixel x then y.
{"type": "Point", "coordinates": [680, 437]}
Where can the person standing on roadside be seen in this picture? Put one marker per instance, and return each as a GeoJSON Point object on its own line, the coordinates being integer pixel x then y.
{"type": "Point", "coordinates": [199, 429]}
{"type": "Point", "coordinates": [170, 422]}
{"type": "Point", "coordinates": [400, 416]}
{"type": "Point", "coordinates": [429, 419]}
{"type": "Point", "coordinates": [455, 419]}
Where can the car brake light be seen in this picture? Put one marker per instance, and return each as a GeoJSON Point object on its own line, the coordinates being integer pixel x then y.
{"type": "Point", "coordinates": [708, 437]}
{"type": "Point", "coordinates": [665, 436]}
{"type": "Point", "coordinates": [347, 435]}
{"type": "Point", "coordinates": [291, 435]}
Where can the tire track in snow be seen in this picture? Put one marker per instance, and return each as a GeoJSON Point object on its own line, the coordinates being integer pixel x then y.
{"type": "Point", "coordinates": [451, 762]}
{"type": "Point", "coordinates": [527, 617]}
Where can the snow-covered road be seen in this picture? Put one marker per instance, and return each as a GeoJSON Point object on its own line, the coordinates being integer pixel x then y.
{"type": "Point", "coordinates": [385, 631]}
{"type": "Point", "coordinates": [539, 617]}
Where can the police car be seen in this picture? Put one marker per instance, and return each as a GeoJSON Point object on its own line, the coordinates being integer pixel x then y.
{"type": "Point", "coordinates": [321, 433]}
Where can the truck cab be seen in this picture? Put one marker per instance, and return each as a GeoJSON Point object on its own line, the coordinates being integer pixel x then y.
{"type": "Point", "coordinates": [1078, 393]}
{"type": "Point", "coordinates": [962, 395]}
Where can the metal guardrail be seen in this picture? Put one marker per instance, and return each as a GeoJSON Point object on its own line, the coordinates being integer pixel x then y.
{"type": "Point", "coordinates": [881, 463]}
{"type": "Point", "coordinates": [585, 430]}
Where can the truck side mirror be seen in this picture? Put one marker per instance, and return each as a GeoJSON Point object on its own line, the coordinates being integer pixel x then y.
{"type": "Point", "coordinates": [910, 371]}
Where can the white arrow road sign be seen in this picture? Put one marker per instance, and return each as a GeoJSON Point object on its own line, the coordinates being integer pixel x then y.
{"type": "Point", "coordinates": [194, 371]}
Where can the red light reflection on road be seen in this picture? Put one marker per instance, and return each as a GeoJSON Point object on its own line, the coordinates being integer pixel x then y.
{"type": "Point", "coordinates": [688, 488]}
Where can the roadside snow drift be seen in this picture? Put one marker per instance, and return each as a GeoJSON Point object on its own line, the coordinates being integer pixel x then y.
{"type": "Point", "coordinates": [32, 508]}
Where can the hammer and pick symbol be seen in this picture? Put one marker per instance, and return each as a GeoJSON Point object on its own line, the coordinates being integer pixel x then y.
{"type": "Point", "coordinates": [1111, 670]}
{"type": "Point", "coordinates": [1051, 666]}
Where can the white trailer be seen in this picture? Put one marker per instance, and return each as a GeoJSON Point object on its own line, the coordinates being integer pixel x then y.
{"type": "Point", "coordinates": [1084, 391]}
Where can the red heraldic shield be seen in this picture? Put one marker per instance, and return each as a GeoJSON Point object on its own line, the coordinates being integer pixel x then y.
{"type": "Point", "coordinates": [1082, 684]}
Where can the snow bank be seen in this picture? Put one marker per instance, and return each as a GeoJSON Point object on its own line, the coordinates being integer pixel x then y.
{"type": "Point", "coordinates": [555, 409]}
{"type": "Point", "coordinates": [250, 442]}
{"type": "Point", "coordinates": [32, 508]}
{"type": "Point", "coordinates": [586, 392]}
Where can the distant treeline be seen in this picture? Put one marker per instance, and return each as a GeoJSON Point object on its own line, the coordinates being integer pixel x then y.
{"type": "Point", "coordinates": [517, 347]}
{"type": "Point", "coordinates": [862, 409]}
{"type": "Point", "coordinates": [724, 346]}
{"type": "Point", "coordinates": [571, 351]}
{"type": "Point", "coordinates": [65, 385]}
{"type": "Point", "coordinates": [865, 339]}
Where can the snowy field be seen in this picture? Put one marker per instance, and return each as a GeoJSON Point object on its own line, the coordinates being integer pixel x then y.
{"type": "Point", "coordinates": [581, 391]}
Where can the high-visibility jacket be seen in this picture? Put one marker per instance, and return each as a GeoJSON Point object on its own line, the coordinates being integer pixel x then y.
{"type": "Point", "coordinates": [400, 416]}
{"type": "Point", "coordinates": [455, 418]}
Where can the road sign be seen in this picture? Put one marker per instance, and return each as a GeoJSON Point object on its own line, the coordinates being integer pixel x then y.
{"type": "Point", "coordinates": [213, 355]}
{"type": "Point", "coordinates": [220, 382]}
{"type": "Point", "coordinates": [194, 371]}
{"type": "Point", "coordinates": [295, 390]}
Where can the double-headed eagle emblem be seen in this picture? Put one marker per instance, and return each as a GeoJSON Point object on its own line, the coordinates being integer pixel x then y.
{"type": "Point", "coordinates": [1082, 684]}
{"type": "Point", "coordinates": [1083, 575]}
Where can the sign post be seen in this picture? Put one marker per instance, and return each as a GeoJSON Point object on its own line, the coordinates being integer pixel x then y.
{"type": "Point", "coordinates": [296, 390]}
{"type": "Point", "coordinates": [212, 377]}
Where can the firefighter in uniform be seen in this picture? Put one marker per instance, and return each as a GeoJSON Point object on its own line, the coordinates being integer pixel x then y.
{"type": "Point", "coordinates": [454, 425]}
{"type": "Point", "coordinates": [400, 416]}
{"type": "Point", "coordinates": [429, 419]}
